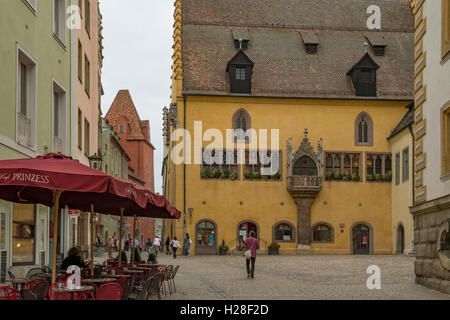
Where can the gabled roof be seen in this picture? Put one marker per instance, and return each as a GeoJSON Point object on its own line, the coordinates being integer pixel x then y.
{"type": "Point", "coordinates": [240, 58]}
{"type": "Point", "coordinates": [123, 105]}
{"type": "Point", "coordinates": [282, 67]}
{"type": "Point", "coordinates": [366, 61]}
{"type": "Point", "coordinates": [407, 120]}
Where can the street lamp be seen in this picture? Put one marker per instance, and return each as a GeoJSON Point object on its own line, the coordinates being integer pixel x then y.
{"type": "Point", "coordinates": [95, 162]}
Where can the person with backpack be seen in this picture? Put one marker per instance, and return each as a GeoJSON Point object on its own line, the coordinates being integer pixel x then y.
{"type": "Point", "coordinates": [175, 246]}
{"type": "Point", "coordinates": [251, 244]}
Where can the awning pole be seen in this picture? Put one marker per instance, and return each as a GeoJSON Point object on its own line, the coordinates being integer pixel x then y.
{"type": "Point", "coordinates": [92, 240]}
{"type": "Point", "coordinates": [57, 195]}
{"type": "Point", "coordinates": [134, 240]}
{"type": "Point", "coordinates": [120, 237]}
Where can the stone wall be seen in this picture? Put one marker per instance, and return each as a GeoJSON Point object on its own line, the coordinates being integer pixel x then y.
{"type": "Point", "coordinates": [428, 268]}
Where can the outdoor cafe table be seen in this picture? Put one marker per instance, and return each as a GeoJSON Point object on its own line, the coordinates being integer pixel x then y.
{"type": "Point", "coordinates": [132, 271]}
{"type": "Point", "coordinates": [117, 276]}
{"type": "Point", "coordinates": [73, 291]}
{"type": "Point", "coordinates": [98, 281]}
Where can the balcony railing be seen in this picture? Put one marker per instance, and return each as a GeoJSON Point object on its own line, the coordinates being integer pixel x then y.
{"type": "Point", "coordinates": [57, 144]}
{"type": "Point", "coordinates": [304, 181]}
{"type": "Point", "coordinates": [24, 129]}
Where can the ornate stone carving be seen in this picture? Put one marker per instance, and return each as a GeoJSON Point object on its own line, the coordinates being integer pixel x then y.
{"type": "Point", "coordinates": [305, 149]}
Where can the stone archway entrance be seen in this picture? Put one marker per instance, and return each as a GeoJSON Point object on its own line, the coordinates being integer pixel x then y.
{"type": "Point", "coordinates": [400, 239]}
{"type": "Point", "coordinates": [361, 238]}
{"type": "Point", "coordinates": [244, 229]}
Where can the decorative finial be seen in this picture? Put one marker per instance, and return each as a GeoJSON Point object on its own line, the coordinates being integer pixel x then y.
{"type": "Point", "coordinates": [366, 46]}
{"type": "Point", "coordinates": [240, 43]}
{"type": "Point", "coordinates": [306, 132]}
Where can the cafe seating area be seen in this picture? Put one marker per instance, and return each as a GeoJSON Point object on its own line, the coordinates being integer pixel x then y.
{"type": "Point", "coordinates": [138, 281]}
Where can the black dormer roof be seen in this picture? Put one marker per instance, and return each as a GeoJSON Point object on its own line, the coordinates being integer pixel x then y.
{"type": "Point", "coordinates": [240, 58]}
{"type": "Point", "coordinates": [364, 76]}
{"type": "Point", "coordinates": [240, 70]}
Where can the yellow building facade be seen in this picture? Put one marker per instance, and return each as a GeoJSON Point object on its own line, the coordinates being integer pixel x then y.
{"type": "Point", "coordinates": [332, 193]}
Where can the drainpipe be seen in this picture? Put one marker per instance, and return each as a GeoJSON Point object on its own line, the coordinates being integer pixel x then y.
{"type": "Point", "coordinates": [184, 167]}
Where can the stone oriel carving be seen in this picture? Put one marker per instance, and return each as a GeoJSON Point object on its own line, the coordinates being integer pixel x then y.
{"type": "Point", "coordinates": [305, 149]}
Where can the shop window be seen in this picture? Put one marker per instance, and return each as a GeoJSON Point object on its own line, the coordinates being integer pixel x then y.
{"type": "Point", "coordinates": [379, 167]}
{"type": "Point", "coordinates": [206, 234]}
{"type": "Point", "coordinates": [220, 164]}
{"type": "Point", "coordinates": [2, 230]}
{"type": "Point", "coordinates": [262, 165]}
{"type": "Point", "coordinates": [283, 232]}
{"type": "Point", "coordinates": [23, 238]}
{"type": "Point", "coordinates": [322, 233]}
{"type": "Point", "coordinates": [343, 166]}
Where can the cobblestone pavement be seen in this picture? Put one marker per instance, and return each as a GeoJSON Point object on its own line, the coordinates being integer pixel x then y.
{"type": "Point", "coordinates": [296, 277]}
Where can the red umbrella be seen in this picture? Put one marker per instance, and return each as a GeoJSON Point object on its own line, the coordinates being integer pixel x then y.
{"type": "Point", "coordinates": [57, 180]}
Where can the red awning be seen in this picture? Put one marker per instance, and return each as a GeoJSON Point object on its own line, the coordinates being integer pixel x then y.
{"type": "Point", "coordinates": [32, 181]}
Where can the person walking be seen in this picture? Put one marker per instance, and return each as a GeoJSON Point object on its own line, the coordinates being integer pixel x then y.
{"type": "Point", "coordinates": [126, 246]}
{"type": "Point", "coordinates": [175, 246]}
{"type": "Point", "coordinates": [251, 244]}
{"type": "Point", "coordinates": [148, 245]}
{"type": "Point", "coordinates": [187, 244]}
{"type": "Point", "coordinates": [156, 245]}
{"type": "Point", "coordinates": [167, 246]}
{"type": "Point", "coordinates": [110, 245]}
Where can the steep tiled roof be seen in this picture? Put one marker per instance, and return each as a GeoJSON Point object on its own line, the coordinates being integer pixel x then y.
{"type": "Point", "coordinates": [123, 105]}
{"type": "Point", "coordinates": [282, 66]}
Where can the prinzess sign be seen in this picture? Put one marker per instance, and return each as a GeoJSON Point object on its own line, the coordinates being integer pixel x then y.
{"type": "Point", "coordinates": [24, 177]}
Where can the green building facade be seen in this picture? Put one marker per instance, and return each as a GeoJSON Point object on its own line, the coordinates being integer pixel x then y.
{"type": "Point", "coordinates": [36, 108]}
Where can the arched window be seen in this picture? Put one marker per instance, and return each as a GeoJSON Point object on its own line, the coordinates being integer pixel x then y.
{"type": "Point", "coordinates": [322, 232]}
{"type": "Point", "coordinates": [305, 166]}
{"type": "Point", "coordinates": [206, 234]}
{"type": "Point", "coordinates": [363, 130]}
{"type": "Point", "coordinates": [241, 123]}
{"type": "Point", "coordinates": [283, 232]}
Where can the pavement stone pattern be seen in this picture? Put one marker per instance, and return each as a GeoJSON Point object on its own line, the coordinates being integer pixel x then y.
{"type": "Point", "coordinates": [308, 277]}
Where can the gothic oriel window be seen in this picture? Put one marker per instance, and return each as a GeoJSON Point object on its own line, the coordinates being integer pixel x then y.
{"type": "Point", "coordinates": [363, 130]}
{"type": "Point", "coordinates": [241, 123]}
{"type": "Point", "coordinates": [305, 166]}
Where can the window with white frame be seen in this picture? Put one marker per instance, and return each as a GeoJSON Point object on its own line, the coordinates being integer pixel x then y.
{"type": "Point", "coordinates": [59, 118]}
{"type": "Point", "coordinates": [59, 19]}
{"type": "Point", "coordinates": [26, 99]}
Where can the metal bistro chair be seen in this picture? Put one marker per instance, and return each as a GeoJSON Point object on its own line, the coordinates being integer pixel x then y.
{"type": "Point", "coordinates": [166, 276]}
{"type": "Point", "coordinates": [8, 293]}
{"type": "Point", "coordinates": [38, 270]}
{"type": "Point", "coordinates": [26, 294]}
{"type": "Point", "coordinates": [38, 287]}
{"type": "Point", "coordinates": [156, 284]}
{"type": "Point", "coordinates": [126, 284]}
{"type": "Point", "coordinates": [55, 295]}
{"type": "Point", "coordinates": [141, 292]}
{"type": "Point", "coordinates": [171, 281]}
{"type": "Point", "coordinates": [12, 277]}
{"type": "Point", "coordinates": [109, 291]}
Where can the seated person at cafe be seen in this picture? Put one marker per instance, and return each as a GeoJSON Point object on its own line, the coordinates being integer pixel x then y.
{"type": "Point", "coordinates": [74, 259]}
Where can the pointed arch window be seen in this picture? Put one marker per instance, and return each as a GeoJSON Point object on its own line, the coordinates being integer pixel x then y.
{"type": "Point", "coordinates": [241, 123]}
{"type": "Point", "coordinates": [364, 130]}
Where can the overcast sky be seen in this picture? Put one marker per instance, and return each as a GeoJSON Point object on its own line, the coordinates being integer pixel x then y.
{"type": "Point", "coordinates": [138, 49]}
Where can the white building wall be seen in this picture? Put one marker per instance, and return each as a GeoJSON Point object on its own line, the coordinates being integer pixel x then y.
{"type": "Point", "coordinates": [436, 77]}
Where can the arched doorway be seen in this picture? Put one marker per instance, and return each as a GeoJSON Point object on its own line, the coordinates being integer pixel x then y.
{"type": "Point", "coordinates": [244, 228]}
{"type": "Point", "coordinates": [362, 237]}
{"type": "Point", "coordinates": [206, 238]}
{"type": "Point", "coordinates": [400, 239]}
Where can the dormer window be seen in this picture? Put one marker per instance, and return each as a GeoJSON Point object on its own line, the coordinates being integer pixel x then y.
{"type": "Point", "coordinates": [378, 44]}
{"type": "Point", "coordinates": [240, 73]}
{"type": "Point", "coordinates": [364, 77]}
{"type": "Point", "coordinates": [240, 69]}
{"type": "Point", "coordinates": [311, 41]}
